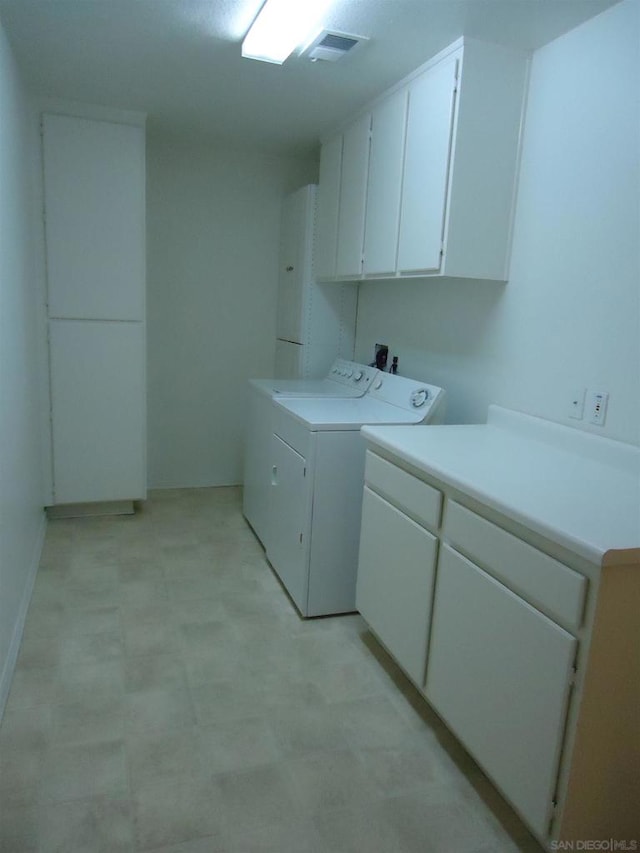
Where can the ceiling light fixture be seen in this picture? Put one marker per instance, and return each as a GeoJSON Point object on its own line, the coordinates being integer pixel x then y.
{"type": "Point", "coordinates": [280, 27]}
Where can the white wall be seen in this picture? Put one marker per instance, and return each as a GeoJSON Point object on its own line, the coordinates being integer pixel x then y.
{"type": "Point", "coordinates": [22, 520]}
{"type": "Point", "coordinates": [570, 315]}
{"type": "Point", "coordinates": [213, 222]}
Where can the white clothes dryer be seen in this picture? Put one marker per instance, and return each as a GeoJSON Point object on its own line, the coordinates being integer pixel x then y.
{"type": "Point", "coordinates": [344, 379]}
{"type": "Point", "coordinates": [317, 477]}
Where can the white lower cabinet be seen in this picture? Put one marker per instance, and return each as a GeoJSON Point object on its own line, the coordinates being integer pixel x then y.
{"type": "Point", "coordinates": [394, 594]}
{"type": "Point", "coordinates": [485, 624]}
{"type": "Point", "coordinates": [500, 674]}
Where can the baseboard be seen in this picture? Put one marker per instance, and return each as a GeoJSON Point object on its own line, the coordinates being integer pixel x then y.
{"type": "Point", "coordinates": [83, 510]}
{"type": "Point", "coordinates": [18, 628]}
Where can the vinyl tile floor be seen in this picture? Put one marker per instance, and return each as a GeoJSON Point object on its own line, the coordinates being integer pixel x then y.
{"type": "Point", "coordinates": [168, 697]}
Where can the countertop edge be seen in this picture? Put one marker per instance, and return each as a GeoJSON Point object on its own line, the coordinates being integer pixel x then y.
{"type": "Point", "coordinates": [599, 556]}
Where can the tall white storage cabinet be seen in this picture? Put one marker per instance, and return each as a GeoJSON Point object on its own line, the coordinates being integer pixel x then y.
{"type": "Point", "coordinates": [315, 322]}
{"type": "Point", "coordinates": [94, 194]}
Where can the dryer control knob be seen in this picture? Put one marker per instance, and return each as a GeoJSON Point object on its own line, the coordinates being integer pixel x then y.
{"type": "Point", "coordinates": [358, 376]}
{"type": "Point", "coordinates": [419, 398]}
{"type": "Point", "coordinates": [377, 384]}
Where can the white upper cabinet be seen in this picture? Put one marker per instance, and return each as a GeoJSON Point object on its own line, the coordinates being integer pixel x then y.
{"type": "Point", "coordinates": [426, 168]}
{"type": "Point", "coordinates": [94, 174]}
{"type": "Point", "coordinates": [388, 121]}
{"type": "Point", "coordinates": [328, 207]}
{"type": "Point", "coordinates": [438, 177]}
{"type": "Point", "coordinates": [353, 198]}
{"type": "Point", "coordinates": [484, 161]}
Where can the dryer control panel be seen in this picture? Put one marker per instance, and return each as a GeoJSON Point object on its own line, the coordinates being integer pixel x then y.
{"type": "Point", "coordinates": [419, 398]}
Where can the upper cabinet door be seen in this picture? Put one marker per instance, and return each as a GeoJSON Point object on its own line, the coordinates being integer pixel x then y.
{"type": "Point", "coordinates": [94, 182]}
{"type": "Point", "coordinates": [388, 124]}
{"type": "Point", "coordinates": [426, 168]}
{"type": "Point", "coordinates": [291, 278]}
{"type": "Point", "coordinates": [353, 198]}
{"type": "Point", "coordinates": [328, 206]}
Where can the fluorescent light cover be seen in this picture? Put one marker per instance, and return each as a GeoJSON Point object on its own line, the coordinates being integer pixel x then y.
{"type": "Point", "coordinates": [280, 27]}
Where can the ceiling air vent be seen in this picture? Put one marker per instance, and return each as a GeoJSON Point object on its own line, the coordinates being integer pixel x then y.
{"type": "Point", "coordinates": [331, 47]}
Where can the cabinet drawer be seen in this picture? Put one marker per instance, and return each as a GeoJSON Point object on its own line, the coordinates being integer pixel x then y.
{"type": "Point", "coordinates": [416, 498]}
{"type": "Point", "coordinates": [547, 584]}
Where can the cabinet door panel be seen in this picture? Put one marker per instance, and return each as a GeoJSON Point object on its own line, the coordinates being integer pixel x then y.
{"type": "Point", "coordinates": [426, 168]}
{"type": "Point", "coordinates": [385, 182]}
{"type": "Point", "coordinates": [353, 197]}
{"type": "Point", "coordinates": [286, 549]}
{"type": "Point", "coordinates": [98, 410]}
{"type": "Point", "coordinates": [289, 325]}
{"type": "Point", "coordinates": [328, 207]}
{"type": "Point", "coordinates": [94, 179]}
{"type": "Point", "coordinates": [395, 582]}
{"type": "Point", "coordinates": [499, 674]}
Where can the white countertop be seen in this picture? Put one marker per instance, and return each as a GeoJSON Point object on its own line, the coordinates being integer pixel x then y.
{"type": "Point", "coordinates": [579, 490]}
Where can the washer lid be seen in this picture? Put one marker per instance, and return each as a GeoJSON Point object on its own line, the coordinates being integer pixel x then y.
{"type": "Point", "coordinates": [346, 414]}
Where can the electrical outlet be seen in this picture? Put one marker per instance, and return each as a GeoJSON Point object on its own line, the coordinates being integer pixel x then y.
{"type": "Point", "coordinates": [576, 406]}
{"type": "Point", "coordinates": [598, 407]}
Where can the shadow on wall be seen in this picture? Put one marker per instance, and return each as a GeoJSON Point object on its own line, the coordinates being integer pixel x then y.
{"type": "Point", "coordinates": [444, 331]}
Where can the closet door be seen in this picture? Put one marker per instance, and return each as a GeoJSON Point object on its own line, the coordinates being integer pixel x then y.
{"type": "Point", "coordinates": [98, 410]}
{"type": "Point", "coordinates": [94, 180]}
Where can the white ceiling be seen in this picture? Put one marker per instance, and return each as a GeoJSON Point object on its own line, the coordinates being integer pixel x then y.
{"type": "Point", "coordinates": [179, 60]}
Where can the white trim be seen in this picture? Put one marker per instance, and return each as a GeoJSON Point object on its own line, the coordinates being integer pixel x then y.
{"type": "Point", "coordinates": [18, 628]}
{"type": "Point", "coordinates": [78, 109]}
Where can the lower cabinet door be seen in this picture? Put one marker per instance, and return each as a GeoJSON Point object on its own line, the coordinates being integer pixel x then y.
{"type": "Point", "coordinates": [395, 581]}
{"type": "Point", "coordinates": [499, 674]}
{"type": "Point", "coordinates": [98, 410]}
{"type": "Point", "coordinates": [286, 547]}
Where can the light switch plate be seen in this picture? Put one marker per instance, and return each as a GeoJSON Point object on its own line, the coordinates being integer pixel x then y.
{"type": "Point", "coordinates": [598, 407]}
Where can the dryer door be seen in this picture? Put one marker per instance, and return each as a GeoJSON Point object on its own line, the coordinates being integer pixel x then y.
{"type": "Point", "coordinates": [287, 549]}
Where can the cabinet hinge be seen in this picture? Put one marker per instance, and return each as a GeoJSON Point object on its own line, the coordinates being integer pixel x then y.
{"type": "Point", "coordinates": [574, 675]}
{"type": "Point", "coordinates": [552, 815]}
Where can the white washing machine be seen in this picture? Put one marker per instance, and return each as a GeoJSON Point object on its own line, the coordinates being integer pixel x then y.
{"type": "Point", "coordinates": [345, 379]}
{"type": "Point", "coordinates": [317, 475]}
